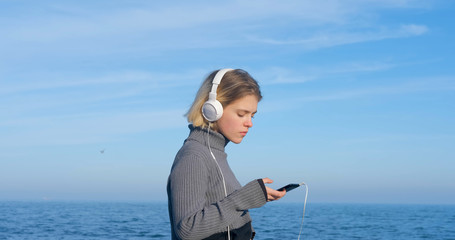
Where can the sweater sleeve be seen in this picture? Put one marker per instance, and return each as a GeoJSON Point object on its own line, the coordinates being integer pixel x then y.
{"type": "Point", "coordinates": [192, 217]}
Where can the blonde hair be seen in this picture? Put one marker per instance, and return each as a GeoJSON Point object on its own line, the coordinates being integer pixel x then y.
{"type": "Point", "coordinates": [234, 85]}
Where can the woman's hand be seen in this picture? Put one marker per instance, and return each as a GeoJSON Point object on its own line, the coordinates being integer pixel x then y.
{"type": "Point", "coordinates": [272, 194]}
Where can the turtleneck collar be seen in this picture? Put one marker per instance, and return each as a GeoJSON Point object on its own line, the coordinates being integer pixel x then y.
{"type": "Point", "coordinates": [217, 140]}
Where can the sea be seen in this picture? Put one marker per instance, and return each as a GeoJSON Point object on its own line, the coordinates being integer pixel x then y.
{"type": "Point", "coordinates": [146, 220]}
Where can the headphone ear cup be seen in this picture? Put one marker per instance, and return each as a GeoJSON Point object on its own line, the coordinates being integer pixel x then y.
{"type": "Point", "coordinates": [212, 110]}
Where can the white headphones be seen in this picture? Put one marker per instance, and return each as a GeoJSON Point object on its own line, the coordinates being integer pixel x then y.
{"type": "Point", "coordinates": [212, 110]}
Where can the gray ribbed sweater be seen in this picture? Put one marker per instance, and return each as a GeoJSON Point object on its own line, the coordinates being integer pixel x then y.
{"type": "Point", "coordinates": [197, 204]}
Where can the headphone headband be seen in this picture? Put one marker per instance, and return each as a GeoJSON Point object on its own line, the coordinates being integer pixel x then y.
{"type": "Point", "coordinates": [216, 81]}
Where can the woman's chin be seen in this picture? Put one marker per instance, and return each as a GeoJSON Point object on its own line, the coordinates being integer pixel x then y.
{"type": "Point", "coordinates": [237, 140]}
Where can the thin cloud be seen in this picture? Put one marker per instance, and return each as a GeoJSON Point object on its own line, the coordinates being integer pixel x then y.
{"type": "Point", "coordinates": [147, 79]}
{"type": "Point", "coordinates": [79, 22]}
{"type": "Point", "coordinates": [121, 90]}
{"type": "Point", "coordinates": [68, 23]}
{"type": "Point", "coordinates": [413, 86]}
{"type": "Point", "coordinates": [281, 75]}
{"type": "Point", "coordinates": [413, 29]}
{"type": "Point", "coordinates": [324, 40]}
{"type": "Point", "coordinates": [87, 128]}
{"type": "Point", "coordinates": [405, 86]}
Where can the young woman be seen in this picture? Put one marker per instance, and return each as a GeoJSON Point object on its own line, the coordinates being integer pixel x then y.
{"type": "Point", "coordinates": [205, 199]}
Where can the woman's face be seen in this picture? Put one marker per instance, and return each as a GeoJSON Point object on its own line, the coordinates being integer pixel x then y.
{"type": "Point", "coordinates": [237, 118]}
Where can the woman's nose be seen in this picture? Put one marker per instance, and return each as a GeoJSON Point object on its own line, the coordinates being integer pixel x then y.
{"type": "Point", "coordinates": [249, 122]}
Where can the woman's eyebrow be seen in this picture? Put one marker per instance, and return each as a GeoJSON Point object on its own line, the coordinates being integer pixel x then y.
{"type": "Point", "coordinates": [246, 111]}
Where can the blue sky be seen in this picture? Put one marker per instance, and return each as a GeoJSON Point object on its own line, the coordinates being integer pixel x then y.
{"type": "Point", "coordinates": [358, 96]}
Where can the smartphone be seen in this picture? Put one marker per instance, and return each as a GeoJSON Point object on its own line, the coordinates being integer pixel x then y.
{"type": "Point", "coordinates": [290, 187]}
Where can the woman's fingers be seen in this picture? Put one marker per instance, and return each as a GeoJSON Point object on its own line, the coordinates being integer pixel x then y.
{"type": "Point", "coordinates": [273, 195]}
{"type": "Point", "coordinates": [267, 180]}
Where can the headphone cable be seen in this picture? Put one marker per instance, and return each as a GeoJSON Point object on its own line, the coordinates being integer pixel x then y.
{"type": "Point", "coordinates": [304, 205]}
{"type": "Point", "coordinates": [219, 168]}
